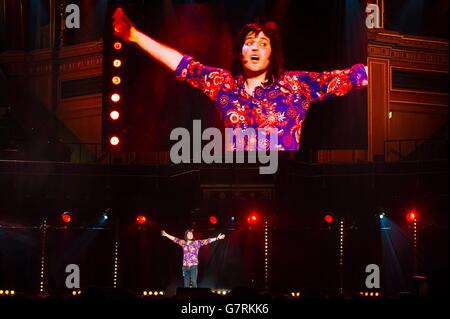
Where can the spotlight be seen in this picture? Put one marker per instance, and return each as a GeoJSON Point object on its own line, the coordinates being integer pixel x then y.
{"type": "Point", "coordinates": [412, 216]}
{"type": "Point", "coordinates": [114, 141]}
{"type": "Point", "coordinates": [105, 216]}
{"type": "Point", "coordinates": [66, 218]}
{"type": "Point", "coordinates": [114, 115]}
{"type": "Point", "coordinates": [382, 215]}
{"type": "Point", "coordinates": [213, 220]}
{"type": "Point", "coordinates": [329, 219]}
{"type": "Point", "coordinates": [253, 218]}
{"type": "Point", "coordinates": [117, 45]}
{"type": "Point", "coordinates": [115, 97]}
{"type": "Point", "coordinates": [117, 63]}
{"type": "Point", "coordinates": [141, 219]}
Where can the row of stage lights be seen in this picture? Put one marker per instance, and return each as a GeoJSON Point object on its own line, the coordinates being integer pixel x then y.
{"type": "Point", "coordinates": [411, 216]}
{"type": "Point", "coordinates": [116, 97]}
{"type": "Point", "coordinates": [370, 294]}
{"type": "Point", "coordinates": [252, 219]}
{"type": "Point", "coordinates": [141, 219]}
{"type": "Point", "coordinates": [222, 292]}
{"type": "Point", "coordinates": [76, 293]}
{"type": "Point", "coordinates": [295, 294]}
{"type": "Point", "coordinates": [6, 293]}
{"type": "Point", "coordinates": [152, 293]}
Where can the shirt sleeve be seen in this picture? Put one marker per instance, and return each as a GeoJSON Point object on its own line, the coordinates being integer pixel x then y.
{"type": "Point", "coordinates": [320, 86]}
{"type": "Point", "coordinates": [208, 241]}
{"type": "Point", "coordinates": [207, 79]}
{"type": "Point", "coordinates": [178, 241]}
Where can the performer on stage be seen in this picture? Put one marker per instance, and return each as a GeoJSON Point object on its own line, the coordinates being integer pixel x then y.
{"type": "Point", "coordinates": [190, 253]}
{"type": "Point", "coordinates": [257, 93]}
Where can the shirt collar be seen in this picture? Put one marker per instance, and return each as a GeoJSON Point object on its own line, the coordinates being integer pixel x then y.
{"type": "Point", "coordinates": [265, 85]}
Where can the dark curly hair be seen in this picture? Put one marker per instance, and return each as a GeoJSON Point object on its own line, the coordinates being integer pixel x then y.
{"type": "Point", "coordinates": [270, 29]}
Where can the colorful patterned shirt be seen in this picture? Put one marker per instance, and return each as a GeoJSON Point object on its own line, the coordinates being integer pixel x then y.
{"type": "Point", "coordinates": [191, 248]}
{"type": "Point", "coordinates": [279, 104]}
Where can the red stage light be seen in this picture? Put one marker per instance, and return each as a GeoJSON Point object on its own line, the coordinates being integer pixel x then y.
{"type": "Point", "coordinates": [114, 115]}
{"type": "Point", "coordinates": [329, 219]}
{"type": "Point", "coordinates": [117, 45]}
{"type": "Point", "coordinates": [115, 97]}
{"type": "Point", "coordinates": [213, 220]}
{"type": "Point", "coordinates": [252, 219]}
{"type": "Point", "coordinates": [412, 216]}
{"type": "Point", "coordinates": [117, 63]}
{"type": "Point", "coordinates": [141, 219]}
{"type": "Point", "coordinates": [114, 141]}
{"type": "Point", "coordinates": [66, 217]}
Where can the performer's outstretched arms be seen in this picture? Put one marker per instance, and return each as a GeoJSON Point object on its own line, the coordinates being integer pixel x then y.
{"type": "Point", "coordinates": [172, 238]}
{"type": "Point", "coordinates": [125, 30]}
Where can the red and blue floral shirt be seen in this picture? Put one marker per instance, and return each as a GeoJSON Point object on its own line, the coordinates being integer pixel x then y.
{"type": "Point", "coordinates": [279, 104]}
{"type": "Point", "coordinates": [191, 248]}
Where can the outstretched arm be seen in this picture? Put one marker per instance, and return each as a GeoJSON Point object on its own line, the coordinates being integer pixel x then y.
{"type": "Point", "coordinates": [208, 80]}
{"type": "Point", "coordinates": [204, 242]}
{"type": "Point", "coordinates": [125, 30]}
{"type": "Point", "coordinates": [319, 86]}
{"type": "Point", "coordinates": [172, 238]}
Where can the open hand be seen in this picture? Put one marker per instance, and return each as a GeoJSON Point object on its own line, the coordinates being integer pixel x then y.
{"type": "Point", "coordinates": [123, 27]}
{"type": "Point", "coordinates": [221, 236]}
{"type": "Point", "coordinates": [163, 233]}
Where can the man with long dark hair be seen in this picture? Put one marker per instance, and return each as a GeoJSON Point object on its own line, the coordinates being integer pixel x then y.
{"type": "Point", "coordinates": [257, 93]}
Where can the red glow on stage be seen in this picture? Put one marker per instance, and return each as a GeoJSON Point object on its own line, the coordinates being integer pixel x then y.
{"type": "Point", "coordinates": [253, 218]}
{"type": "Point", "coordinates": [115, 97]}
{"type": "Point", "coordinates": [114, 115]}
{"type": "Point", "coordinates": [141, 219]}
{"type": "Point", "coordinates": [213, 220]}
{"type": "Point", "coordinates": [114, 141]}
{"type": "Point", "coordinates": [329, 219]}
{"type": "Point", "coordinates": [66, 218]}
{"type": "Point", "coordinates": [412, 216]}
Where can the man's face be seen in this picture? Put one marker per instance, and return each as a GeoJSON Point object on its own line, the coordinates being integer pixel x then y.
{"type": "Point", "coordinates": [190, 235]}
{"type": "Point", "coordinates": [256, 53]}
